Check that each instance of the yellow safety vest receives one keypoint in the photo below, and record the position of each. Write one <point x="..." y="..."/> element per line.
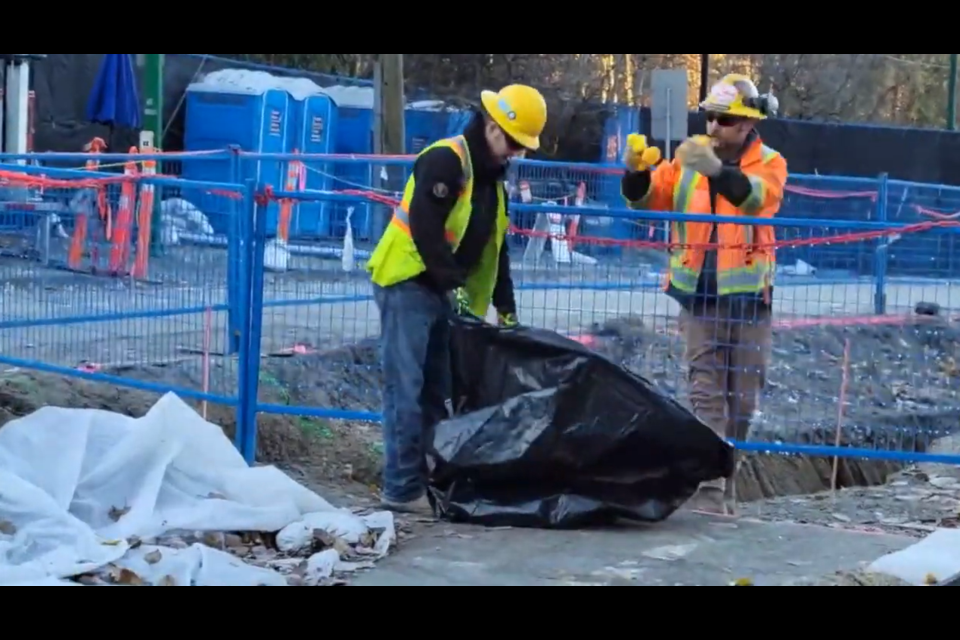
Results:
<point x="397" y="260"/>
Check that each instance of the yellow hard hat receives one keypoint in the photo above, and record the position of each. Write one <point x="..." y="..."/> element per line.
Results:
<point x="737" y="95"/>
<point x="520" y="111"/>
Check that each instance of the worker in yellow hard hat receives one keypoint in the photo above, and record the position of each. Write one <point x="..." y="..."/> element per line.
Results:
<point x="720" y="274"/>
<point x="446" y="245"/>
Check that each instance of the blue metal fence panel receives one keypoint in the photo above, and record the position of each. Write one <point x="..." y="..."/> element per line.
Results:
<point x="855" y="259"/>
<point x="144" y="322"/>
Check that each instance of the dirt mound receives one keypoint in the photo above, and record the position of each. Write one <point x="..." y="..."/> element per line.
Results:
<point x="348" y="378"/>
<point x="904" y="394"/>
<point x="333" y="452"/>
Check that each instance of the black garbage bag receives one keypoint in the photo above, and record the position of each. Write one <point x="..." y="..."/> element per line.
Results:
<point x="548" y="434"/>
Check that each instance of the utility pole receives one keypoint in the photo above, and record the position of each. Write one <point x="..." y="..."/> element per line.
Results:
<point x="704" y="75"/>
<point x="389" y="130"/>
<point x="152" y="134"/>
<point x="394" y="102"/>
<point x="952" y="94"/>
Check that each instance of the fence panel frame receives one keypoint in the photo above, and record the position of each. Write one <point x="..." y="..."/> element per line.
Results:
<point x="244" y="194"/>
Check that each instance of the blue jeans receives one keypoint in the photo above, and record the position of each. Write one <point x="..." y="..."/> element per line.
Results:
<point x="417" y="381"/>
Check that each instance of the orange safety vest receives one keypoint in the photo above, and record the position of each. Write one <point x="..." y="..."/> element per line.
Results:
<point x="744" y="266"/>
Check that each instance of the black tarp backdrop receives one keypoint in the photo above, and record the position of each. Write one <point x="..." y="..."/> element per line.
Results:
<point x="63" y="83"/>
<point x="549" y="434"/>
<point x="916" y="155"/>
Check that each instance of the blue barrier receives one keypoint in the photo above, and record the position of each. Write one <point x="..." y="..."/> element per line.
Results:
<point x="262" y="297"/>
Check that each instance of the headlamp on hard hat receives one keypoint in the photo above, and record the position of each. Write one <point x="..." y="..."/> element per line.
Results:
<point x="767" y="104"/>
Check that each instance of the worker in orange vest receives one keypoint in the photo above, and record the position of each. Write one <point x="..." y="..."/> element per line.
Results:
<point x="723" y="276"/>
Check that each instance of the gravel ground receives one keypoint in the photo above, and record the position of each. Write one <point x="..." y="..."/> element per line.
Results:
<point x="911" y="503"/>
<point x="904" y="381"/>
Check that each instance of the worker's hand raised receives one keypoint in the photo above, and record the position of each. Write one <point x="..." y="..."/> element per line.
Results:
<point x="697" y="154"/>
<point x="640" y="156"/>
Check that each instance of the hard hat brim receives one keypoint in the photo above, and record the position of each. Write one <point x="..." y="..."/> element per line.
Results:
<point x="490" y="102"/>
<point x="739" y="112"/>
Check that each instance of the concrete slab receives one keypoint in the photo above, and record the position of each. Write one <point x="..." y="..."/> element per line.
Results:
<point x="688" y="550"/>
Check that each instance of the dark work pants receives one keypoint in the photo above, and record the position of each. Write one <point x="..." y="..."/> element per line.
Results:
<point x="727" y="359"/>
<point x="415" y="345"/>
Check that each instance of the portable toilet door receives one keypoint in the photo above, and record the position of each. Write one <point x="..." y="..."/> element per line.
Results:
<point x="218" y="119"/>
<point x="354" y="136"/>
<point x="317" y="136"/>
<point x="273" y="139"/>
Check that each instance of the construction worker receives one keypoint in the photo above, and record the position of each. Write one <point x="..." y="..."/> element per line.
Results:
<point x="723" y="277"/>
<point x="445" y="246"/>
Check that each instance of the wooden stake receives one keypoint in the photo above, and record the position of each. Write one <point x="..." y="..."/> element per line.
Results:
<point x="844" y="384"/>
<point x="207" y="339"/>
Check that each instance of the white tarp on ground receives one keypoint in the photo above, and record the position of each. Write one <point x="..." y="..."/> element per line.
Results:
<point x="85" y="491"/>
<point x="928" y="563"/>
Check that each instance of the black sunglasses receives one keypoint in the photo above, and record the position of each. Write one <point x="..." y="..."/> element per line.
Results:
<point x="724" y="120"/>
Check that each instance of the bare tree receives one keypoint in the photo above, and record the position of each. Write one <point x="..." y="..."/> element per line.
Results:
<point x="894" y="88"/>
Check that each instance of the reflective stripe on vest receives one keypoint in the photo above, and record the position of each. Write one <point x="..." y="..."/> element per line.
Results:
<point x="747" y="279"/>
<point x="729" y="281"/>
<point x="401" y="213"/>
<point x="683" y="277"/>
<point x="758" y="188"/>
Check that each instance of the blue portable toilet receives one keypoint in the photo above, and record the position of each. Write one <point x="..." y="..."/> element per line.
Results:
<point x="217" y="118"/>
<point x="354" y="136"/>
<point x="426" y="122"/>
<point x="424" y="127"/>
<point x="315" y="132"/>
<point x="622" y="122"/>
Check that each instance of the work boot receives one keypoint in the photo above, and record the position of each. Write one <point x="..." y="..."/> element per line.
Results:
<point x="711" y="498"/>
<point x="420" y="508"/>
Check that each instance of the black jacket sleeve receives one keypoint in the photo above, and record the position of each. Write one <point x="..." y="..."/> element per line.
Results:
<point x="733" y="185"/>
<point x="635" y="185"/>
<point x="504" y="298"/>
<point x="439" y="180"/>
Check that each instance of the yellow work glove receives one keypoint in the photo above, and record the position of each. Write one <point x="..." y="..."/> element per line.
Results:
<point x="460" y="300"/>
<point x="640" y="156"/>
<point x="508" y="321"/>
<point x="697" y="154"/>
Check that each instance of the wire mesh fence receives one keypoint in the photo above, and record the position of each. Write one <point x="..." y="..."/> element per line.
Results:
<point x="195" y="286"/>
